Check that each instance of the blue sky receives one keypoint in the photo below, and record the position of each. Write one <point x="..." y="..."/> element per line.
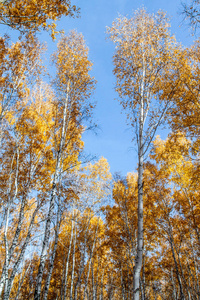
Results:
<point x="114" y="138"/>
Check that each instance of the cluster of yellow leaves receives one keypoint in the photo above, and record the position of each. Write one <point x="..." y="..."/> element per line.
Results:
<point x="20" y="63"/>
<point x="184" y="116"/>
<point x="73" y="66"/>
<point x="145" y="50"/>
<point x="97" y="179"/>
<point x="34" y="15"/>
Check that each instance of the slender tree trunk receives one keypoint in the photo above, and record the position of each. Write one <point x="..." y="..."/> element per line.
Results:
<point x="93" y="281"/>
<point x="131" y="250"/>
<point x="90" y="261"/>
<point x="52" y="201"/>
<point x="97" y="279"/>
<point x="81" y="269"/>
<point x="73" y="265"/>
<point x="90" y="258"/>
<point x="101" y="292"/>
<point x="176" y="265"/>
<point x="67" y="262"/>
<point x="173" y="284"/>
<point x="82" y="262"/>
<point x="141" y="289"/>
<point x="110" y="296"/>
<point x="139" y="255"/>
<point x="138" y="261"/>
<point x="21" y="256"/>
<point x="58" y="222"/>
<point x="4" y="278"/>
<point x="21" y="281"/>
<point x="11" y="199"/>
<point x="196" y="271"/>
<point x="182" y="273"/>
<point x="48" y="279"/>
<point x="45" y="241"/>
<point x="142" y="283"/>
<point x="122" y="284"/>
<point x="9" y="252"/>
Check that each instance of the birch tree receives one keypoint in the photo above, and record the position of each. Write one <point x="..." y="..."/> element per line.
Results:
<point x="143" y="58"/>
<point x="73" y="85"/>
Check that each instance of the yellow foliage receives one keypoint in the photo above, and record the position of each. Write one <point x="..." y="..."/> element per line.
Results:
<point x="33" y="15"/>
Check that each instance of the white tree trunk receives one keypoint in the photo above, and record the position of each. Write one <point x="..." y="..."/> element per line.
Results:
<point x="73" y="265"/>
<point x="21" y="281"/>
<point x="52" y="201"/>
<point x="139" y="254"/>
<point x="4" y="275"/>
<point x="101" y="292"/>
<point x="21" y="256"/>
<point x="82" y="262"/>
<point x="67" y="262"/>
<point x="58" y="222"/>
<point x="89" y="264"/>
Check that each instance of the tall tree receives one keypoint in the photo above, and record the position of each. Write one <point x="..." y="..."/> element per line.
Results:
<point x="144" y="54"/>
<point x="74" y="86"/>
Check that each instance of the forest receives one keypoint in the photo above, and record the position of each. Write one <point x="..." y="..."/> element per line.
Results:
<point x="69" y="228"/>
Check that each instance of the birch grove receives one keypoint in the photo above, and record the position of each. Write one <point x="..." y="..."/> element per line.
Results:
<point x="69" y="229"/>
